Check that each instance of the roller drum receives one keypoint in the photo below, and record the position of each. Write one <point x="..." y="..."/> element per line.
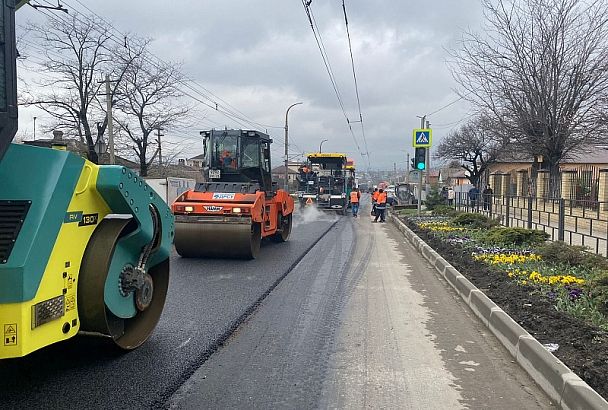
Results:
<point x="217" y="240"/>
<point x="95" y="316"/>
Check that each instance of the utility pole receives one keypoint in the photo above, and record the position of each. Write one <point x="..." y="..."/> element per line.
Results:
<point x="34" y="128"/>
<point x="286" y="185"/>
<point x="110" y="123"/>
<point x="395" y="179"/>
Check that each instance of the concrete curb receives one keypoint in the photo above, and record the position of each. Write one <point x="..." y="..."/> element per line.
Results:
<point x="559" y="382"/>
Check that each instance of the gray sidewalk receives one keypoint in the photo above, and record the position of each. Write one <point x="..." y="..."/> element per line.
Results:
<point x="408" y="341"/>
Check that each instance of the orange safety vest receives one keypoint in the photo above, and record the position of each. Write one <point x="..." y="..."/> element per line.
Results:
<point x="354" y="197"/>
<point x="382" y="198"/>
<point x="375" y="196"/>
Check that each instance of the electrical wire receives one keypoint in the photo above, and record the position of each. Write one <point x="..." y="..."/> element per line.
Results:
<point x="226" y="109"/>
<point x="352" y="62"/>
<point x="196" y="88"/>
<point x="445" y="106"/>
<point x="320" y="45"/>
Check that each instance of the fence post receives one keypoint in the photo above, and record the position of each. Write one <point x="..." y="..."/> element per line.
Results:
<point x="561" y="225"/>
<point x="507" y="211"/>
<point x="530" y="212"/>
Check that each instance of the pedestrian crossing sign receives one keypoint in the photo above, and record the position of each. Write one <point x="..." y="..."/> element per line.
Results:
<point x="423" y="137"/>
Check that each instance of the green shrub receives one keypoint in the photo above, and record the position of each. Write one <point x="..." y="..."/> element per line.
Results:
<point x="434" y="199"/>
<point x="475" y="221"/>
<point x="515" y="236"/>
<point x="571" y="255"/>
<point x="598" y="290"/>
<point x="444" y="210"/>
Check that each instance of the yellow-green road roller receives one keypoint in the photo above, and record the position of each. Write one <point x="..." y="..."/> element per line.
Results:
<point x="82" y="247"/>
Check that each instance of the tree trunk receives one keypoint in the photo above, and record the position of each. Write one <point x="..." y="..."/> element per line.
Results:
<point x="533" y="177"/>
<point x="555" y="183"/>
<point x="92" y="154"/>
<point x="474" y="179"/>
<point x="143" y="166"/>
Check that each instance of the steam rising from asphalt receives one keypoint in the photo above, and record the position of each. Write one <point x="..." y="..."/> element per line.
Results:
<point x="310" y="214"/>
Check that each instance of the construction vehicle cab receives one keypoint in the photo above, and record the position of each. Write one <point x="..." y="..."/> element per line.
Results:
<point x="243" y="156"/>
<point x="325" y="184"/>
<point x="237" y="205"/>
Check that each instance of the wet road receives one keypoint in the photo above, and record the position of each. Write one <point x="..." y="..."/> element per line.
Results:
<point x="207" y="301"/>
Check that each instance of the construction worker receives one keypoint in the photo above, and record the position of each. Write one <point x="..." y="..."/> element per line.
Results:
<point x="355" y="195"/>
<point x="374" y="201"/>
<point x="381" y="206"/>
<point x="227" y="160"/>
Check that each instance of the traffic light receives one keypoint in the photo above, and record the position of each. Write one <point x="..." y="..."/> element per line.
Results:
<point x="413" y="163"/>
<point x="420" y="158"/>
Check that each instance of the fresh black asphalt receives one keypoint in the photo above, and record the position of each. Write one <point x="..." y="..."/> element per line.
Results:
<point x="207" y="301"/>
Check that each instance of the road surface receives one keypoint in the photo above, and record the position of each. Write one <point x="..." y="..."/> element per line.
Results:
<point x="344" y="315"/>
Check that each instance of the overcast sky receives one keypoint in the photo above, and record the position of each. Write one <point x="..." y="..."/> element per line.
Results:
<point x="261" y="56"/>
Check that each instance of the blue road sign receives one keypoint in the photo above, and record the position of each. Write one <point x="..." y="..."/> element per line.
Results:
<point x="423" y="138"/>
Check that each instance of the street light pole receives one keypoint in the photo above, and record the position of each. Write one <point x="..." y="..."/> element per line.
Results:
<point x="286" y="186"/>
<point x="321" y="146"/>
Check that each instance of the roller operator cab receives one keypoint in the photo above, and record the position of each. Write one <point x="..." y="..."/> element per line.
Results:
<point x="83" y="247"/>
<point x="323" y="182"/>
<point x="237" y="205"/>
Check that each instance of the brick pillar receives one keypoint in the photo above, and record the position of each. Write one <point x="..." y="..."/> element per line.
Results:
<point x="603" y="191"/>
<point x="542" y="183"/>
<point x="495" y="183"/>
<point x="568" y="178"/>
<point x="505" y="185"/>
<point x="522" y="187"/>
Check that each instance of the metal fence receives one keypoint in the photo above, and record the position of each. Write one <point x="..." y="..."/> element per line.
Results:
<point x="576" y="222"/>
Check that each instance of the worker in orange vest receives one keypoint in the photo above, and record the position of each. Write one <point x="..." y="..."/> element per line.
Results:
<point x="374" y="201"/>
<point x="354" y="201"/>
<point x="381" y="206"/>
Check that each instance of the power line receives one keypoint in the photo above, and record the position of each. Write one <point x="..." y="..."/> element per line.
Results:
<point x="231" y="113"/>
<point x="445" y="106"/>
<point x="352" y="62"/>
<point x="319" y="40"/>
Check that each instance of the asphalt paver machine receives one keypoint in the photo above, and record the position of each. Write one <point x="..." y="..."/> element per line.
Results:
<point x="82" y="247"/>
<point x="237" y="205"/>
<point x="325" y="183"/>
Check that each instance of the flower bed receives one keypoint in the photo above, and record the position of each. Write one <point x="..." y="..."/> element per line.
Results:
<point x="557" y="298"/>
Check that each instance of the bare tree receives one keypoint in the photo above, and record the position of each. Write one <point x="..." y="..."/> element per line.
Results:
<point x="151" y="102"/>
<point x="76" y="52"/>
<point x="476" y="145"/>
<point x="540" y="68"/>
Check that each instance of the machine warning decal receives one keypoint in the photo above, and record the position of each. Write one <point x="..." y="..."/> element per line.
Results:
<point x="89" y="219"/>
<point x="213" y="208"/>
<point x="219" y="195"/>
<point x="10" y="334"/>
<point x="70" y="303"/>
<point x="71" y="217"/>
